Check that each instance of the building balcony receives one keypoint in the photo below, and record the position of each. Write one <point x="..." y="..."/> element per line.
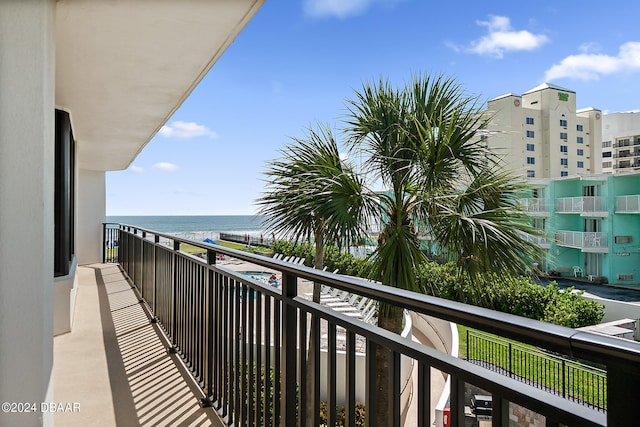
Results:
<point x="538" y="241"/>
<point x="628" y="204"/>
<point x="585" y="206"/>
<point x="535" y="206"/>
<point x="593" y="242"/>
<point x="624" y="154"/>
<point x="160" y="319"/>
<point x="626" y="165"/>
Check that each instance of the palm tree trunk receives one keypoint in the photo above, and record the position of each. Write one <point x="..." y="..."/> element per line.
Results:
<point x="389" y="318"/>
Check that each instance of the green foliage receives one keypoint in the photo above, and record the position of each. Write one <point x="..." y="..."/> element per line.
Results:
<point x="334" y="259"/>
<point x="341" y="415"/>
<point x="510" y="294"/>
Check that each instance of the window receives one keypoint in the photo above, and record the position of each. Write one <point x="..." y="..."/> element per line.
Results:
<point x="579" y="128"/>
<point x="63" y="208"/>
<point x="564" y="173"/>
<point x="563" y="135"/>
<point x="530" y="134"/>
<point x="580" y="164"/>
<point x="580" y="152"/>
<point x="564" y="149"/>
<point x="531" y="147"/>
<point x="563" y="123"/>
<point x="606" y="144"/>
<point x="529" y="120"/>
<point x="531" y="174"/>
<point x="606" y="164"/>
<point x="564" y="162"/>
<point x="606" y="154"/>
<point x="531" y="160"/>
<point x="580" y="140"/>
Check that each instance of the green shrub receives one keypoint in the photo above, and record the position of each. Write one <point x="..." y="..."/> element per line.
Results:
<point x="341" y="414"/>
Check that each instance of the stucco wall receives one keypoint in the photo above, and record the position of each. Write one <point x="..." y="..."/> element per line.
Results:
<point x="27" y="126"/>
<point x="91" y="203"/>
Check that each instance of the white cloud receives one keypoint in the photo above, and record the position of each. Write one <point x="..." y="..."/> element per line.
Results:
<point x="590" y="66"/>
<point x="165" y="167"/>
<point x="503" y="38"/>
<point x="136" y="169"/>
<point x="185" y="130"/>
<point x="341" y="8"/>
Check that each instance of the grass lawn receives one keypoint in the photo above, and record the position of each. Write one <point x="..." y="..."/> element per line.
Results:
<point x="534" y="366"/>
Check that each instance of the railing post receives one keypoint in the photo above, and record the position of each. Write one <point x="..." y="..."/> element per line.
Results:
<point x="623" y="394"/>
<point x="104" y="242"/>
<point x="510" y="360"/>
<point x="174" y="287"/>
<point x="289" y="351"/>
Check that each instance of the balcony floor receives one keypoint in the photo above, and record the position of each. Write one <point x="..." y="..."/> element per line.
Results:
<point x="115" y="365"/>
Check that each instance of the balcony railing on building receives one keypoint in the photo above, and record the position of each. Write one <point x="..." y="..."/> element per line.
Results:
<point x="587" y="241"/>
<point x="585" y="205"/>
<point x="247" y="343"/>
<point x="539" y="241"/>
<point x="628" y="204"/>
<point x="535" y="206"/>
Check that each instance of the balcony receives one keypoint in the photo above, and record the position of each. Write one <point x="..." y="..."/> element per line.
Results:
<point x="535" y="206"/>
<point x="538" y="241"/>
<point x="628" y="204"/>
<point x="592" y="242"/>
<point x="585" y="206"/>
<point x="246" y="345"/>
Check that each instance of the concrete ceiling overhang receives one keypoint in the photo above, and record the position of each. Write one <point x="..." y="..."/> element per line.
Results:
<point x="124" y="67"/>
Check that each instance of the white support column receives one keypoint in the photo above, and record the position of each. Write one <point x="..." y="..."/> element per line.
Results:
<point x="90" y="215"/>
<point x="27" y="88"/>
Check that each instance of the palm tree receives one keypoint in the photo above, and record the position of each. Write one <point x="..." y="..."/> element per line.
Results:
<point x="422" y="141"/>
<point x="312" y="191"/>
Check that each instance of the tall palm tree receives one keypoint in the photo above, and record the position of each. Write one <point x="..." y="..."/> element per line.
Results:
<point x="422" y="141"/>
<point x="312" y="191"/>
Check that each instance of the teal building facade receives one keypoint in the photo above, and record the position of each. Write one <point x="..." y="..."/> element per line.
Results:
<point x="591" y="225"/>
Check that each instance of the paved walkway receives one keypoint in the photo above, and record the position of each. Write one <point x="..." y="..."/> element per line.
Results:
<point x="115" y="365"/>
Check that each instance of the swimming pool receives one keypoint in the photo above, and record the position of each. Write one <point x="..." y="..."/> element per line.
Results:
<point x="262" y="276"/>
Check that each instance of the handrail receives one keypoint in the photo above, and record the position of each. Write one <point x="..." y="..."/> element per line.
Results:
<point x="618" y="355"/>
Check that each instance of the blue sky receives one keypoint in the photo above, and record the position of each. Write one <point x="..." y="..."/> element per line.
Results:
<point x="297" y="61"/>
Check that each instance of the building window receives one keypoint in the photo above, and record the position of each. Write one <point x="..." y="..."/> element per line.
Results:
<point x="63" y="207"/>
<point x="531" y="174"/>
<point x="580" y="164"/>
<point x="606" y="164"/>
<point x="530" y="134"/>
<point x="606" y="144"/>
<point x="564" y="173"/>
<point x="579" y="128"/>
<point x="563" y="136"/>
<point x="531" y="160"/>
<point x="580" y="152"/>
<point x="529" y="120"/>
<point x="564" y="149"/>
<point x="580" y="140"/>
<point x="531" y="147"/>
<point x="606" y="154"/>
<point x="563" y="123"/>
<point x="564" y="162"/>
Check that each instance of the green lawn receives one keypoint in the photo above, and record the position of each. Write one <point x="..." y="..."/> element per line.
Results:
<point x="532" y="365"/>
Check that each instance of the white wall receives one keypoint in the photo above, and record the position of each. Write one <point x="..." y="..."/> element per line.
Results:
<point x="90" y="214"/>
<point x="26" y="212"/>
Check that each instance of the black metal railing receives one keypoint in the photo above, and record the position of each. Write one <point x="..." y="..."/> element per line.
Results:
<point x="570" y="379"/>
<point x="247" y="343"/>
<point x="247" y="239"/>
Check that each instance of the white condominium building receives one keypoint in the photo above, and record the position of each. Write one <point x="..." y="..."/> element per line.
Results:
<point x="540" y="134"/>
<point x="621" y="142"/>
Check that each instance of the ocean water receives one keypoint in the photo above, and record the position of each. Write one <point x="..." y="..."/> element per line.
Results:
<point x="210" y="225"/>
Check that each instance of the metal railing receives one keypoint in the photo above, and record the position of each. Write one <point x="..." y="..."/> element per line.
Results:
<point x="581" y="204"/>
<point x="570" y="379"/>
<point x="534" y="205"/>
<point x="247" y="343"/>
<point x="247" y="239"/>
<point x="629" y="203"/>
<point x="582" y="239"/>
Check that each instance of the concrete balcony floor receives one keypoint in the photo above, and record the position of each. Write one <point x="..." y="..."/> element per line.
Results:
<point x="115" y="365"/>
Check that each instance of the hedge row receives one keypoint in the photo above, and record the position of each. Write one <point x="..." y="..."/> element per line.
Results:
<point x="502" y="292"/>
